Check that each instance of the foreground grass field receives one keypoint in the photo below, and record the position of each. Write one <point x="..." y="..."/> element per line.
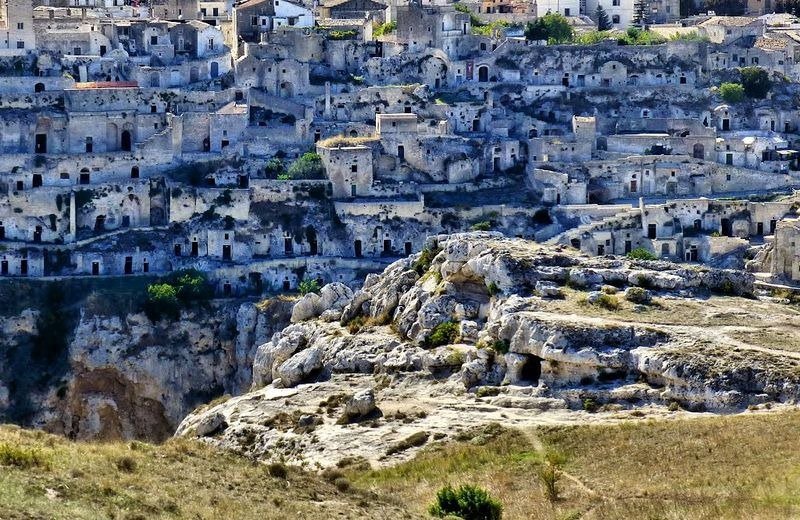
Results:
<point x="745" y="466"/>
<point x="47" y="477"/>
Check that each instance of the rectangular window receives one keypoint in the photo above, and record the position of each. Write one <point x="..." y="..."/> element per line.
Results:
<point x="615" y="18"/>
<point x="154" y="40"/>
<point x="20" y="26"/>
<point x="20" y="45"/>
<point x="254" y="20"/>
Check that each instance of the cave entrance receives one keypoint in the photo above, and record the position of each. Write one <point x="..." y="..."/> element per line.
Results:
<point x="531" y="370"/>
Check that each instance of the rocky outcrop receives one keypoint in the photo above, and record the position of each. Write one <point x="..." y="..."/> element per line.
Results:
<point x="123" y="376"/>
<point x="520" y="325"/>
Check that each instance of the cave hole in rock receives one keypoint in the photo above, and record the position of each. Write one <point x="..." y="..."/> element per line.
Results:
<point x="531" y="370"/>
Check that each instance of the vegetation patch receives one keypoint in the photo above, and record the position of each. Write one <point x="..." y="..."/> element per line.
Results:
<point x="443" y="334"/>
<point x="467" y="502"/>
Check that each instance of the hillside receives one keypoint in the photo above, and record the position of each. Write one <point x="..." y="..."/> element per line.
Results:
<point x="742" y="466"/>
<point x="46" y="476"/>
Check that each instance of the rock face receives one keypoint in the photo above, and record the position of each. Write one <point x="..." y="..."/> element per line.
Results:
<point x="528" y="326"/>
<point x="125" y="377"/>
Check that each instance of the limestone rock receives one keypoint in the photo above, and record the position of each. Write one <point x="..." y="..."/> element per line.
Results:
<point x="210" y="424"/>
<point x="548" y="289"/>
<point x="307" y="307"/>
<point x="360" y="405"/>
<point x="300" y="367"/>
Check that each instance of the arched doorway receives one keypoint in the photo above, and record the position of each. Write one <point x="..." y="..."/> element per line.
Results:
<point x="39" y="87"/>
<point x="125" y="141"/>
<point x="698" y="151"/>
<point x="483" y="73"/>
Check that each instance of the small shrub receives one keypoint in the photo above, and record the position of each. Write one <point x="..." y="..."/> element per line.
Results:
<point x="384" y="29"/>
<point x="126" y="464"/>
<point x="641" y="253"/>
<point x="608" y="302"/>
<point x="423" y="263"/>
<point x="549" y="474"/>
<point x="162" y="301"/>
<point x="674" y="406"/>
<point x="609" y="289"/>
<point x="637" y="295"/>
<point x="487" y="391"/>
<point x="467" y="502"/>
<point x="308" y="286"/>
<point x="501" y="346"/>
<point x="493" y="289"/>
<point x="342" y="484"/>
<point x="24" y="458"/>
<point x="414" y="440"/>
<point x="332" y="474"/>
<point x="278" y="470"/>
<point x="356" y="324"/>
<point x="308" y="166"/>
<point x="443" y="334"/>
<point x="590" y="405"/>
<point x="484" y="225"/>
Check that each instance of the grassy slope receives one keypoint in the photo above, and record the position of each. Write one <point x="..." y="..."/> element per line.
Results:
<point x="180" y="479"/>
<point x="745" y="466"/>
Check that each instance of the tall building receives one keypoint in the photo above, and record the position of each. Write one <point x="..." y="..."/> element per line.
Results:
<point x="16" y="26"/>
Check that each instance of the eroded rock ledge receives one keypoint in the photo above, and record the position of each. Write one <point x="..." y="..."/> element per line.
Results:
<point x="479" y="327"/>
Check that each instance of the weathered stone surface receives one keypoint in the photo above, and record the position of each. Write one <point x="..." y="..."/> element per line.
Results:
<point x="300" y="367"/>
<point x="360" y="405"/>
<point x="210" y="424"/>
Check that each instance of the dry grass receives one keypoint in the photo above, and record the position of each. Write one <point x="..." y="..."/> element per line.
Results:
<point x="342" y="141"/>
<point x="180" y="479"/>
<point x="715" y="311"/>
<point x="745" y="466"/>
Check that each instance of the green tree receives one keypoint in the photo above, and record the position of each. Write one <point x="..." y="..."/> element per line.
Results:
<point x="162" y="301"/>
<point x="603" y="21"/>
<point x="553" y="27"/>
<point x="467" y="502"/>
<point x="756" y="82"/>
<point x="731" y="92"/>
<point x="308" y="166"/>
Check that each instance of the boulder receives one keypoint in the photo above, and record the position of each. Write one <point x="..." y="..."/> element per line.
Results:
<point x="210" y="424"/>
<point x="300" y="367"/>
<point x="548" y="289"/>
<point x="638" y="295"/>
<point x="307" y="307"/>
<point x="582" y="278"/>
<point x="335" y="297"/>
<point x="360" y="405"/>
<point x="270" y="355"/>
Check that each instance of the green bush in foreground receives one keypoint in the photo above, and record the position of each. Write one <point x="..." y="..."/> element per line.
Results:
<point x="23" y="458"/>
<point x="467" y="502"/>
